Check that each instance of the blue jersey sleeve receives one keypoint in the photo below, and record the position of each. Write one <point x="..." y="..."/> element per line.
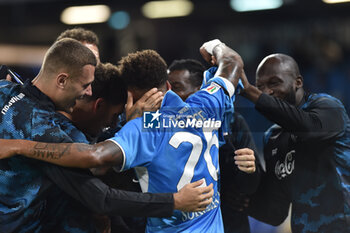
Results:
<point x="136" y="144"/>
<point x="216" y="96"/>
<point x="213" y="98"/>
<point x="209" y="75"/>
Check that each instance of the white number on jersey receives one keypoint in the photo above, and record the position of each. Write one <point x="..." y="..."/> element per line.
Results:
<point x="197" y="146"/>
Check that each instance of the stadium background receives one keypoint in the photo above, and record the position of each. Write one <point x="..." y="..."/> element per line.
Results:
<point x="315" y="33"/>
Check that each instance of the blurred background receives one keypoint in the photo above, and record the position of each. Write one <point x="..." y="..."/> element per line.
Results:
<point x="315" y="32"/>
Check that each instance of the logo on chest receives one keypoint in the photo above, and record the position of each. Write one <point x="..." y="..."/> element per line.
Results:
<point x="286" y="167"/>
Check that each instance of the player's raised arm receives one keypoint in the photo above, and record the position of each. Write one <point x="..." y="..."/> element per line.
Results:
<point x="64" y="154"/>
<point x="229" y="62"/>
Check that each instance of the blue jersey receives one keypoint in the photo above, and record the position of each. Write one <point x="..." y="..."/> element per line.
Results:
<point x="29" y="201"/>
<point x="178" y="145"/>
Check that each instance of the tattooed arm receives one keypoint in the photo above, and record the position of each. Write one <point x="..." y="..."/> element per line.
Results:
<point x="64" y="154"/>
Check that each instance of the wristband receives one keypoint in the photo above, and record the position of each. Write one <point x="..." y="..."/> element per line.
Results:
<point x="210" y="45"/>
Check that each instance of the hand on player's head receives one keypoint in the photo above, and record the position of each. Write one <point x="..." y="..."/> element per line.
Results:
<point x="150" y="101"/>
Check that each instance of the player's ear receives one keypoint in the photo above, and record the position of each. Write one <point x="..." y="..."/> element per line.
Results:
<point x="99" y="104"/>
<point x="62" y="79"/>
<point x="299" y="81"/>
<point x="168" y="85"/>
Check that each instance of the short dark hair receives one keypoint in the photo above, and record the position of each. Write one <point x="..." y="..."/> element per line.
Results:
<point x="195" y="68"/>
<point x="108" y="84"/>
<point x="144" y="69"/>
<point x="69" y="55"/>
<point x="80" y="34"/>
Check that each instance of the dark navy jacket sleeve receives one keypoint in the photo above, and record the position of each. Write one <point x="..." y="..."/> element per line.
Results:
<point x="100" y="198"/>
<point x="320" y="118"/>
<point x="242" y="138"/>
<point x="230" y="174"/>
<point x="269" y="204"/>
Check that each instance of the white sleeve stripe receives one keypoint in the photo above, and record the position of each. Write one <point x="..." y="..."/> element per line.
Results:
<point x="117" y="169"/>
<point x="229" y="86"/>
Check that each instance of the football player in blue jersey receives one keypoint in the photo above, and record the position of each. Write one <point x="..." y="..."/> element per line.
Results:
<point x="97" y="115"/>
<point x="93" y="114"/>
<point x="172" y="157"/>
<point x="35" y="196"/>
<point x="186" y="77"/>
<point x="307" y="151"/>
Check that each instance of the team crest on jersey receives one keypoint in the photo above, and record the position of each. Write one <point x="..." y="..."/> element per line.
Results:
<point x="212" y="88"/>
<point x="285" y="168"/>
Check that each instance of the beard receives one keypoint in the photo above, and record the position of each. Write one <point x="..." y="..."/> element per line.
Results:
<point x="291" y="96"/>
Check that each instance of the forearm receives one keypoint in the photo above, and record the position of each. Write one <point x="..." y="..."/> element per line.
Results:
<point x="230" y="64"/>
<point x="281" y="112"/>
<point x="318" y="121"/>
<point x="71" y="154"/>
<point x="125" y="203"/>
<point x="251" y="92"/>
<point x="101" y="199"/>
<point x="247" y="183"/>
<point x="229" y="69"/>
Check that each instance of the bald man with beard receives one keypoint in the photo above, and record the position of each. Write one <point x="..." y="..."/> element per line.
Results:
<point x="307" y="151"/>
